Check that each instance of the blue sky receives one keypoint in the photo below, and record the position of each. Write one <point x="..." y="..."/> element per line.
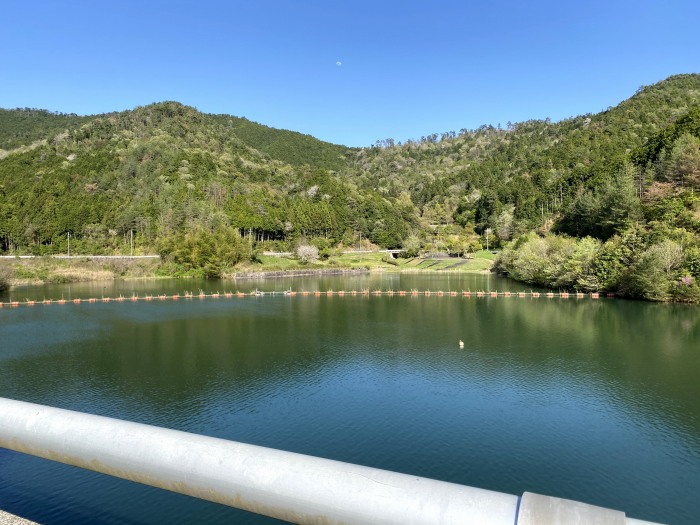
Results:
<point x="345" y="72"/>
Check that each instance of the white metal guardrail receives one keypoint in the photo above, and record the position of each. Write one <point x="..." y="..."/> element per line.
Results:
<point x="284" y="485"/>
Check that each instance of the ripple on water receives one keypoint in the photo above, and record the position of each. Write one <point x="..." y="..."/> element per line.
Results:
<point x="563" y="399"/>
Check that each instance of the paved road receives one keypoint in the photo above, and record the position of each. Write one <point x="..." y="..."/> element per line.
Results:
<point x="346" y="252"/>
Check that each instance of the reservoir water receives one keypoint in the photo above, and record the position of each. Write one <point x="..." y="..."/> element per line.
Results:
<point x="593" y="400"/>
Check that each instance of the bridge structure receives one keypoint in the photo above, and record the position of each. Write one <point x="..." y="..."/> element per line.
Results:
<point x="292" y="487"/>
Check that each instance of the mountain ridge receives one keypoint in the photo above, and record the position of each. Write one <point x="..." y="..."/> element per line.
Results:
<point x="172" y="175"/>
<point x="16" y="130"/>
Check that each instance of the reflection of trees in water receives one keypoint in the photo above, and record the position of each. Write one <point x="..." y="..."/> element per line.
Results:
<point x="165" y="358"/>
<point x="646" y="353"/>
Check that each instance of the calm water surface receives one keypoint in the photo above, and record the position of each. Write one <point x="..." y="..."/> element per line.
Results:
<point x="591" y="400"/>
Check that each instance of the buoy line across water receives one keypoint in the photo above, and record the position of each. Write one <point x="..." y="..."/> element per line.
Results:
<point x="305" y="293"/>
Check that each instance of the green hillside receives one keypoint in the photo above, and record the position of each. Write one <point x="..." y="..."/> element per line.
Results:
<point x="530" y="170"/>
<point x="167" y="174"/>
<point x="576" y="204"/>
<point x="623" y="181"/>
<point x="23" y="127"/>
<point x="286" y="146"/>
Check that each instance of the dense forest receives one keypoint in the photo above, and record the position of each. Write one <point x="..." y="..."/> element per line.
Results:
<point x="600" y="201"/>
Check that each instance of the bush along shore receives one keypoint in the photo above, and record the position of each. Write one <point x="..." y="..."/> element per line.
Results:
<point x="635" y="264"/>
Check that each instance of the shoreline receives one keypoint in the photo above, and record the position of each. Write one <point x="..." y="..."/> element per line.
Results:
<point x="40" y="271"/>
<point x="249" y="276"/>
<point x="269" y="274"/>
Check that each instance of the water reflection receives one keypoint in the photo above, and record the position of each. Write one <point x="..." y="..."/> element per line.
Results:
<point x="368" y="281"/>
<point x="591" y="400"/>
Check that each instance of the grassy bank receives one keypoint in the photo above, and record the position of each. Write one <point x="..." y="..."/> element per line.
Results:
<point x="46" y="270"/>
<point x="482" y="261"/>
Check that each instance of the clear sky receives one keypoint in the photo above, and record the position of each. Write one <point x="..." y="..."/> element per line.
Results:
<point x="349" y="72"/>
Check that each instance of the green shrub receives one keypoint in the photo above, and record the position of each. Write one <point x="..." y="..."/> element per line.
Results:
<point x="655" y="272"/>
<point x="686" y="290"/>
<point x="552" y="261"/>
<point x="5" y="274"/>
<point x="204" y="253"/>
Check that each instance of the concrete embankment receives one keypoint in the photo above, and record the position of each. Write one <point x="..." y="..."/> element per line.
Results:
<point x="298" y="273"/>
<point x="9" y="519"/>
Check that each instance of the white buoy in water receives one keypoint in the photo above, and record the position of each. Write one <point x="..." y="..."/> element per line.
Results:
<point x="461" y="343"/>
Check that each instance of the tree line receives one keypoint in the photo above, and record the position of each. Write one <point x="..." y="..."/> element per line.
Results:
<point x="600" y="191"/>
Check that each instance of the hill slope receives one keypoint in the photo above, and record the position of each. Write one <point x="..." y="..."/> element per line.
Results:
<point x="531" y="170"/>
<point x="22" y="127"/>
<point x="190" y="184"/>
<point x="165" y="169"/>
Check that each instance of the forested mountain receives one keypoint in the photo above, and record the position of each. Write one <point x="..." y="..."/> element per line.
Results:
<point x="583" y="200"/>
<point x="23" y="127"/>
<point x="596" y="202"/>
<point x="165" y="171"/>
<point x="512" y="179"/>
